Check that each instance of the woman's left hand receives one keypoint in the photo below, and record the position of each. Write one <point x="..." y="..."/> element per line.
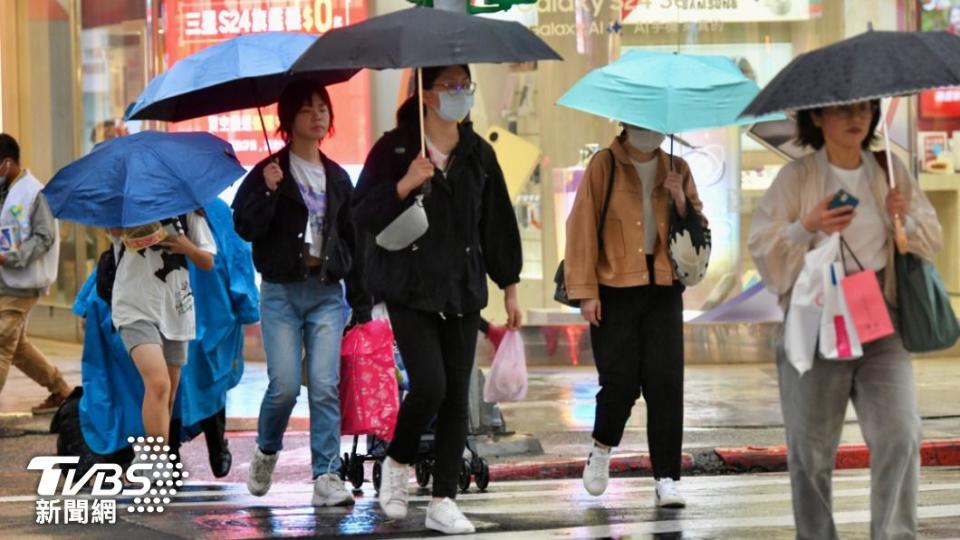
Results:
<point x="674" y="186"/>
<point x="512" y="305"/>
<point x="896" y="204"/>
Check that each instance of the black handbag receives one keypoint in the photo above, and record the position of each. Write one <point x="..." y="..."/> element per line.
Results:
<point x="560" y="292"/>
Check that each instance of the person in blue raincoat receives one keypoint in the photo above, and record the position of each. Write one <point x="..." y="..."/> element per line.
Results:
<point x="226" y="299"/>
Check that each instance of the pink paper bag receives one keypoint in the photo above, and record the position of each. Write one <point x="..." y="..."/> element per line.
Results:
<point x="867" y="306"/>
<point x="369" y="395"/>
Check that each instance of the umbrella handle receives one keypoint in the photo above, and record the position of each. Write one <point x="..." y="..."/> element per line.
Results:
<point x="899" y="231"/>
<point x="423" y="136"/>
<point x="671" y="152"/>
<point x="266" y="138"/>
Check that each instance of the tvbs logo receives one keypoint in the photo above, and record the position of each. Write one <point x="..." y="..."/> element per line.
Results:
<point x="153" y="477"/>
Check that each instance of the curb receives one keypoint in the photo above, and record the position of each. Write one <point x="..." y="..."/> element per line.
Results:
<point x="573" y="468"/>
<point x="849" y="456"/>
<point x="748" y="459"/>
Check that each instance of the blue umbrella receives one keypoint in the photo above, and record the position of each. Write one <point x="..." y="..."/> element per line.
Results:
<point x="666" y="92"/>
<point x="142" y="178"/>
<point x="240" y="73"/>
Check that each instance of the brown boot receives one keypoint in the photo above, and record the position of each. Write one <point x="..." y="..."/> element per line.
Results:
<point x="51" y="404"/>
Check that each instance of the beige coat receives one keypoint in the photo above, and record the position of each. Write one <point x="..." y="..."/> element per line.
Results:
<point x="798" y="188"/>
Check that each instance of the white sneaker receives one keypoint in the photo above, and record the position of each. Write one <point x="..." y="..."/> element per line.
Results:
<point x="596" y="473"/>
<point x="393" y="489"/>
<point x="446" y="517"/>
<point x="260" y="476"/>
<point x="668" y="496"/>
<point x="328" y="490"/>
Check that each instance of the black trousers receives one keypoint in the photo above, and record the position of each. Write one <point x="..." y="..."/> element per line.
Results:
<point x="638" y="350"/>
<point x="438" y="354"/>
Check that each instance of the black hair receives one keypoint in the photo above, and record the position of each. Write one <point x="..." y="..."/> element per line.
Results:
<point x="407" y="113"/>
<point x="296" y="95"/>
<point x="9" y="149"/>
<point x="808" y="134"/>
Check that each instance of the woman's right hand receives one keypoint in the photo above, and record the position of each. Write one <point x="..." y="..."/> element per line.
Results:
<point x="420" y="170"/>
<point x="590" y="311"/>
<point x="826" y="220"/>
<point x="272" y="175"/>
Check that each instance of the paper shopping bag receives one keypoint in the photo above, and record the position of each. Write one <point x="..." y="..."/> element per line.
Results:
<point x="867" y="306"/>
<point x="838" y="334"/>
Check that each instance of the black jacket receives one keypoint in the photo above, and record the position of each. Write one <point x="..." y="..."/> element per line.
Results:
<point x="275" y="222"/>
<point x="473" y="228"/>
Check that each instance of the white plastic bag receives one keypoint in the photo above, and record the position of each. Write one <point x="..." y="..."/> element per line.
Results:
<point x="838" y="335"/>
<point x="804" y="313"/>
<point x="507" y="380"/>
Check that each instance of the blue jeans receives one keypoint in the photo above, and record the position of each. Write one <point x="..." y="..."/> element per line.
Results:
<point x="295" y="317"/>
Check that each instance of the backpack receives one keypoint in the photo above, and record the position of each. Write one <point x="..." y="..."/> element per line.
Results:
<point x="108" y="262"/>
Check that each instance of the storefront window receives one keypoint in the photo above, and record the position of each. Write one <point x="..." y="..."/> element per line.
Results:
<point x="46" y="104"/>
<point x="731" y="169"/>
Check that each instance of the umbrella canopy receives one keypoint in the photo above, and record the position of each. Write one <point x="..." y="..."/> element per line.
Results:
<point x="423" y="37"/>
<point x="142" y="178"/>
<point x="871" y="65"/>
<point x="240" y="73"/>
<point x="666" y="92"/>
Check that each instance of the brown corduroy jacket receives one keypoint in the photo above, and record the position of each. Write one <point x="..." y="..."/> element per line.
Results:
<point x="622" y="263"/>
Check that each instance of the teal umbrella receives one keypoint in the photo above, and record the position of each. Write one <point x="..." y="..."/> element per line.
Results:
<point x="667" y="92"/>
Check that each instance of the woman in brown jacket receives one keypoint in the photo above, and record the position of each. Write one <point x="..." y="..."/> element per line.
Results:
<point x="631" y="297"/>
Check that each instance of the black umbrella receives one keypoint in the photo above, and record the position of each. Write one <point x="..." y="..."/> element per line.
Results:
<point x="423" y="37"/>
<point x="871" y="65"/>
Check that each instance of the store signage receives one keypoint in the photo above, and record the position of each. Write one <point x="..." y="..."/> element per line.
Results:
<point x="191" y="25"/>
<point x="733" y="11"/>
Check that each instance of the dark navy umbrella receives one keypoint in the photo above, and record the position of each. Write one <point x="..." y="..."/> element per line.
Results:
<point x="142" y="178"/>
<point x="423" y="37"/>
<point x="871" y="65"/>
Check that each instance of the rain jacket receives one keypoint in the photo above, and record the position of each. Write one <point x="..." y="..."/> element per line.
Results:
<point x="226" y="299"/>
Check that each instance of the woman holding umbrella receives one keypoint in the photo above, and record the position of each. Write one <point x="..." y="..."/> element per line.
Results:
<point x="294" y="207"/>
<point x="630" y="294"/>
<point x="794" y="217"/>
<point x="436" y="286"/>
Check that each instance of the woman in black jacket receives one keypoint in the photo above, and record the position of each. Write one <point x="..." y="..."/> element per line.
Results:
<point x="436" y="287"/>
<point x="295" y="209"/>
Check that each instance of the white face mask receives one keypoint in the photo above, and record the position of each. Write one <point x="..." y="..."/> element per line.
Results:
<point x="644" y="139"/>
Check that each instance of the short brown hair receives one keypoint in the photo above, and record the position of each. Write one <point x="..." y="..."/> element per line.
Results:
<point x="296" y="95"/>
<point x="808" y="134"/>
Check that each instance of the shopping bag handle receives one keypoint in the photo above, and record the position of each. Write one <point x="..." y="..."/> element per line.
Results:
<point x="844" y="244"/>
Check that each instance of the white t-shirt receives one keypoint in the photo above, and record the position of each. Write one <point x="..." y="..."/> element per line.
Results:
<point x="647" y="170"/>
<point x="439" y="159"/>
<point x="147" y="289"/>
<point x="312" y="181"/>
<point x="867" y="234"/>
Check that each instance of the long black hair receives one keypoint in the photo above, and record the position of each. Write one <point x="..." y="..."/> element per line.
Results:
<point x="407" y="116"/>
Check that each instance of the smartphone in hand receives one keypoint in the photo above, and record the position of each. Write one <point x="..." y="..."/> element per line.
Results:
<point x="843" y="198"/>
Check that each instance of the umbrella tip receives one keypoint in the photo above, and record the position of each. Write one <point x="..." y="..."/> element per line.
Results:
<point x="870" y="26"/>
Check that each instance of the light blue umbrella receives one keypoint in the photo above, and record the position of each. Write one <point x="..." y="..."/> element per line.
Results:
<point x="247" y="71"/>
<point x="666" y="92"/>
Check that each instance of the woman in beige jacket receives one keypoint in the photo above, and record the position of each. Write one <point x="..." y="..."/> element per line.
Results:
<point x="791" y="219"/>
<point x="632" y="299"/>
